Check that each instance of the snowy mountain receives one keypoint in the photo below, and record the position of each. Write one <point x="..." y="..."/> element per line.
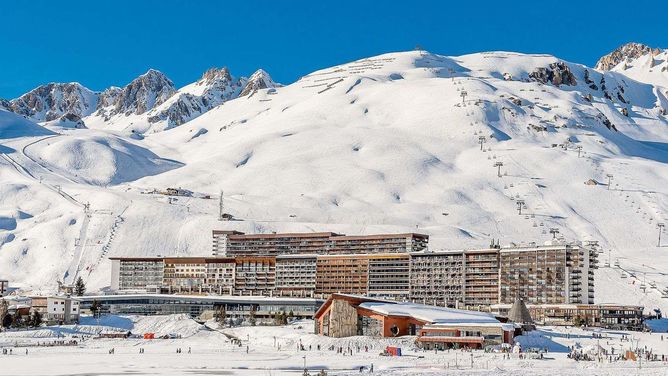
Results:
<point x="141" y="95"/>
<point x="257" y="81"/>
<point x="639" y="62"/>
<point x="399" y="142"/>
<point x="215" y="87"/>
<point x="150" y="103"/>
<point x="51" y="101"/>
<point x="625" y="54"/>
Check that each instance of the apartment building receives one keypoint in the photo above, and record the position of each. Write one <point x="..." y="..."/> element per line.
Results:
<point x="467" y="278"/>
<point x="136" y="273"/>
<point x="295" y="275"/>
<point x="551" y="274"/>
<point x="554" y="274"/>
<point x="341" y="274"/>
<point x="437" y="278"/>
<point x="384" y="243"/>
<point x="199" y="275"/>
<point x="320" y="264"/>
<point x="56" y="309"/>
<point x="255" y="276"/>
<point x="481" y="277"/>
<point x="377" y="275"/>
<point x="389" y="276"/>
<point x="609" y="316"/>
<point x="232" y="243"/>
<point x="173" y="274"/>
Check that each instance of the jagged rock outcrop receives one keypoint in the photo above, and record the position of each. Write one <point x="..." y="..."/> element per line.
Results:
<point x="152" y="94"/>
<point x="259" y="80"/>
<point x="143" y="93"/>
<point x="627" y="52"/>
<point x="51" y="101"/>
<point x="605" y="121"/>
<point x="72" y="120"/>
<point x="556" y="73"/>
<point x="4" y="104"/>
<point x="215" y="87"/>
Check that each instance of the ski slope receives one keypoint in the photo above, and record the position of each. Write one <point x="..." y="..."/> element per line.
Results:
<point x="386" y="144"/>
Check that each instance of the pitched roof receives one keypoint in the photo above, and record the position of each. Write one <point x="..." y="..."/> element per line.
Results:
<point x="519" y="313"/>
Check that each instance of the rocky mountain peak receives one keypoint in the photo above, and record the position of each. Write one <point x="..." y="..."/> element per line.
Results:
<point x="258" y="80"/>
<point x="215" y="87"/>
<point x="142" y="94"/>
<point x="213" y="75"/>
<point x="51" y="101"/>
<point x="626" y="52"/>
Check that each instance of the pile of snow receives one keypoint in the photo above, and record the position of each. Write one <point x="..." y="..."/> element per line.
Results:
<point x="178" y="325"/>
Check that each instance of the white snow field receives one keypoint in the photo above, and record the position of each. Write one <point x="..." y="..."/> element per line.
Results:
<point x="274" y="351"/>
<point x="384" y="144"/>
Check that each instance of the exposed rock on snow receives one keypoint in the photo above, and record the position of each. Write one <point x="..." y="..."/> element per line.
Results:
<point x="214" y="88"/>
<point x="259" y="80"/>
<point x="625" y="53"/>
<point x="142" y="94"/>
<point x="49" y="102"/>
<point x="557" y="74"/>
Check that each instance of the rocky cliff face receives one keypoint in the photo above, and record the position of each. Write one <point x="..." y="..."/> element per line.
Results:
<point x="152" y="94"/>
<point x="51" y="101"/>
<point x="556" y="73"/>
<point x="215" y="87"/>
<point x="627" y="52"/>
<point x="258" y="80"/>
<point x="4" y="104"/>
<point x="142" y="94"/>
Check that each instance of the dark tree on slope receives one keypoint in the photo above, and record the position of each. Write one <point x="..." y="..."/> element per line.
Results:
<point x="251" y="316"/>
<point x="79" y="287"/>
<point x="4" y="308"/>
<point x="95" y="308"/>
<point x="7" y="321"/>
<point x="35" y="319"/>
<point x="221" y="314"/>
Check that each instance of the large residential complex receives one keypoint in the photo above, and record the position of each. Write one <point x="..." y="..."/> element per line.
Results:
<point x="393" y="266"/>
<point x="234" y="243"/>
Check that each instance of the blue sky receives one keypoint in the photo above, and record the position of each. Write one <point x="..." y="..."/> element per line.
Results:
<point x="108" y="43"/>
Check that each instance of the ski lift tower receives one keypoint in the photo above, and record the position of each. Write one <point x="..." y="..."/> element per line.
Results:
<point x="482" y="140"/>
<point x="463" y="95"/>
<point x="554" y="232"/>
<point x="609" y="176"/>
<point x="660" y="226"/>
<point x="498" y="164"/>
<point x="520" y="204"/>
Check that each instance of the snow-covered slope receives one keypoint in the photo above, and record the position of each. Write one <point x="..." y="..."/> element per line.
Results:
<point x="385" y="144"/>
